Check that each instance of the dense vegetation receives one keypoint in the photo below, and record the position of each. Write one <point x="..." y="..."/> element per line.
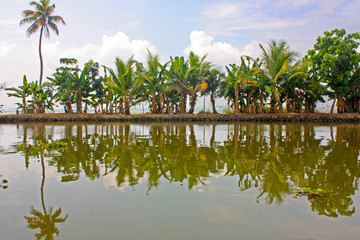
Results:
<point x="279" y="77"/>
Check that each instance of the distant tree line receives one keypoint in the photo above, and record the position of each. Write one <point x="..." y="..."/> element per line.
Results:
<point x="278" y="78"/>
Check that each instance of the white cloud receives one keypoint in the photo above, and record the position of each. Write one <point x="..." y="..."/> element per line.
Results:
<point x="220" y="53"/>
<point x="119" y="45"/>
<point x="6" y="48"/>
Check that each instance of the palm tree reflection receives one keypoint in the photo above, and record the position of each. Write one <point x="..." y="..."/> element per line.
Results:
<point x="46" y="219"/>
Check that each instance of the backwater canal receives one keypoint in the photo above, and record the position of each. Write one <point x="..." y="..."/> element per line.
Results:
<point x="179" y="181"/>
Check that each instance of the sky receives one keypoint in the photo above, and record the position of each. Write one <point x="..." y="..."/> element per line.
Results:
<point x="104" y="30"/>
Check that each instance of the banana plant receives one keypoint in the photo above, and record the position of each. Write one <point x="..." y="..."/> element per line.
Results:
<point x="21" y="92"/>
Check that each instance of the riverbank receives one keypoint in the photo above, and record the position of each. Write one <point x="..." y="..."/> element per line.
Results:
<point x="91" y="117"/>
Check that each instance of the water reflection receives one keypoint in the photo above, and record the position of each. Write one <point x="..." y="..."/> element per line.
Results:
<point x="41" y="146"/>
<point x="274" y="159"/>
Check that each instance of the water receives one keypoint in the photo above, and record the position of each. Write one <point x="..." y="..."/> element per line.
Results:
<point x="179" y="181"/>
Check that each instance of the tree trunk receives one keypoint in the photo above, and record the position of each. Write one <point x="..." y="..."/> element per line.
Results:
<point x="236" y="102"/>
<point x="192" y="102"/>
<point x="79" y="104"/>
<point x="126" y="105"/>
<point x="162" y="102"/>
<point x="261" y="109"/>
<point x="212" y="100"/>
<point x="41" y="58"/>
<point x="272" y="103"/>
<point x="183" y="103"/>
<point x="281" y="110"/>
<point x="153" y="103"/>
<point x="248" y="104"/>
<point x="25" y="105"/>
<point x="171" y="108"/>
<point x="121" y="108"/>
<point x="333" y="105"/>
<point x="288" y="105"/>
<point x="69" y="106"/>
<point x="86" y="106"/>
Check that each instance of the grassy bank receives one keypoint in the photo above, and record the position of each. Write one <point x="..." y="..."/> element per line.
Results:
<point x="91" y="117"/>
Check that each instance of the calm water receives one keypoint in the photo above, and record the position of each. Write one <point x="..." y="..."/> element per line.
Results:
<point x="179" y="181"/>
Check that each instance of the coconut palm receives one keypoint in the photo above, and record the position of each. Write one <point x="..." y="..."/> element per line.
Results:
<point x="277" y="61"/>
<point x="42" y="18"/>
<point x="123" y="82"/>
<point x="178" y="75"/>
<point x="198" y="73"/>
<point x="235" y="81"/>
<point x="153" y="80"/>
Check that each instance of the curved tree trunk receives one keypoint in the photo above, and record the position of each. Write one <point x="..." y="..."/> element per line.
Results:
<point x="333" y="105"/>
<point x="41" y="59"/>
<point x="192" y="102"/>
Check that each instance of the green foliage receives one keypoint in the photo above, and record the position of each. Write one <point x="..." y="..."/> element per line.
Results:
<point x="41" y="97"/>
<point x="335" y="60"/>
<point x="279" y="77"/>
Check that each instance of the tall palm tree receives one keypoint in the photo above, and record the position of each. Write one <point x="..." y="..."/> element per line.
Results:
<point x="42" y="19"/>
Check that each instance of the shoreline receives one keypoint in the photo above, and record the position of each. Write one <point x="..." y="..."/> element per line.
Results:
<point x="208" y="117"/>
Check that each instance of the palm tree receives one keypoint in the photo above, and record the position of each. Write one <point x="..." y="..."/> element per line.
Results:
<point x="153" y="80"/>
<point x="277" y="61"/>
<point x="123" y="81"/>
<point x="80" y="84"/>
<point x="178" y="75"/>
<point x="237" y="77"/>
<point x="199" y="72"/>
<point x="189" y="77"/>
<point x="42" y="19"/>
